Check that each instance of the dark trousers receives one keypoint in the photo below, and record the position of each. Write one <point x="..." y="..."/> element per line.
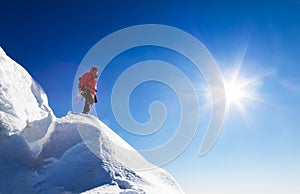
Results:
<point x="89" y="101"/>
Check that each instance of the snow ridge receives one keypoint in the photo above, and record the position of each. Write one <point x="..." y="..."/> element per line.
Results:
<point x="22" y="100"/>
<point x="40" y="153"/>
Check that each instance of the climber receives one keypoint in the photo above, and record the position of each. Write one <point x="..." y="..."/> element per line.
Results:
<point x="88" y="88"/>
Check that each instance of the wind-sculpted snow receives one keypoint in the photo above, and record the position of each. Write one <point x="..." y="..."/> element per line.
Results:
<point x="22" y="100"/>
<point x="43" y="154"/>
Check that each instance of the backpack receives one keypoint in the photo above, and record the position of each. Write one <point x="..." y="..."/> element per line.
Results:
<point x="82" y="88"/>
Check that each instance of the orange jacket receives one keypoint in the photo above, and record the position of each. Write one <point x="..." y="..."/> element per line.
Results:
<point x="89" y="80"/>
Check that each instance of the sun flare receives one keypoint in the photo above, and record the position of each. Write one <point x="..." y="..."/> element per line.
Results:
<point x="241" y="91"/>
<point x="236" y="93"/>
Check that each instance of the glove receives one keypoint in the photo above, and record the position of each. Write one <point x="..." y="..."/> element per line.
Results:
<point x="83" y="93"/>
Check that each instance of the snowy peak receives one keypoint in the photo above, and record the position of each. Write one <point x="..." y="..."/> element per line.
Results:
<point x="76" y="153"/>
<point x="2" y="52"/>
<point x="23" y="103"/>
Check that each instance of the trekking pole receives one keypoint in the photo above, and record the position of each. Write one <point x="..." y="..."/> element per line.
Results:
<point x="76" y="97"/>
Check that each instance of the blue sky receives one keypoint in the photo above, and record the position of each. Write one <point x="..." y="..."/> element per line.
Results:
<point x="258" y="149"/>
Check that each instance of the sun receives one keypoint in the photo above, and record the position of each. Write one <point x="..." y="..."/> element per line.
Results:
<point x="236" y="93"/>
<point x="241" y="91"/>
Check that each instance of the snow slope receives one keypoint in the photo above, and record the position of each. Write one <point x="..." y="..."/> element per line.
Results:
<point x="43" y="154"/>
<point x="23" y="103"/>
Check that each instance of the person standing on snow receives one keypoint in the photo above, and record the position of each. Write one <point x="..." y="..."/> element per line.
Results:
<point x="88" y="88"/>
